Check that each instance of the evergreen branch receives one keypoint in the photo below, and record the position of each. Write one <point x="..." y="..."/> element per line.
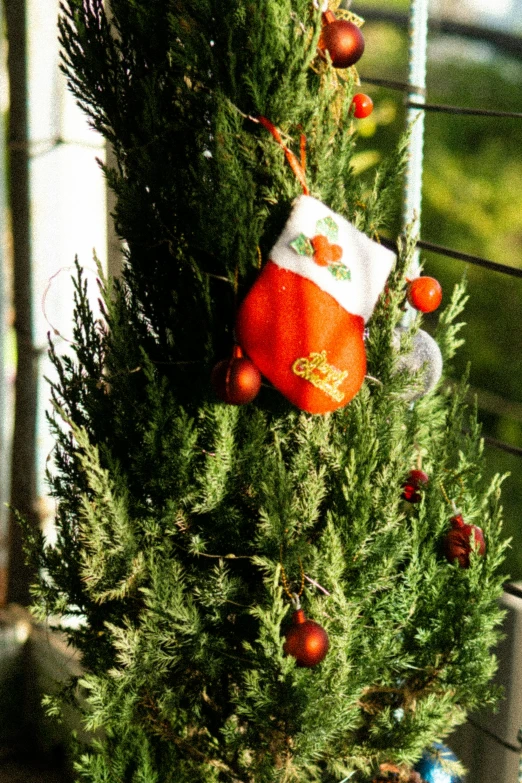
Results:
<point x="163" y="729"/>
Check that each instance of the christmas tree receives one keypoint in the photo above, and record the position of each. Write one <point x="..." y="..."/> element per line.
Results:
<point x="191" y="526"/>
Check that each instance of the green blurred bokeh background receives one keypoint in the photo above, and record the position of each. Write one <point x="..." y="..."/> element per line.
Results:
<point x="472" y="202"/>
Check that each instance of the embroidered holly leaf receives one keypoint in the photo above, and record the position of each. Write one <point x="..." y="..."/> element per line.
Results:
<point x="328" y="227"/>
<point x="302" y="246"/>
<point x="340" y="271"/>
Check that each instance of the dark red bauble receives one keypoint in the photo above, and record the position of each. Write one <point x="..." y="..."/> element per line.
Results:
<point x="342" y="40"/>
<point x="306" y="640"/>
<point x="236" y="380"/>
<point x="457" y="542"/>
<point x="417" y="480"/>
<point x="424" y="294"/>
<point x="362" y="105"/>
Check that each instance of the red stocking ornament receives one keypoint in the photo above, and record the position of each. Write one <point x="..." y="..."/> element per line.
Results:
<point x="302" y="322"/>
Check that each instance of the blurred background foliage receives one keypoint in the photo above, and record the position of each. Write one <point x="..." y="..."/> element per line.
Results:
<point x="472" y="202"/>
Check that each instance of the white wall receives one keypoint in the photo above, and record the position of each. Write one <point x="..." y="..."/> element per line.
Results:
<point x="68" y="200"/>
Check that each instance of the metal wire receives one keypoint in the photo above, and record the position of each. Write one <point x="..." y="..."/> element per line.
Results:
<point x="392" y="84"/>
<point x="469" y="258"/>
<point x="495" y="737"/>
<point x="463" y="110"/>
<point x="499" y="444"/>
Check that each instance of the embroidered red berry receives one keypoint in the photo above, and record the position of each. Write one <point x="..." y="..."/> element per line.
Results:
<point x="362" y="105"/>
<point x="424" y="294"/>
<point x="325" y="252"/>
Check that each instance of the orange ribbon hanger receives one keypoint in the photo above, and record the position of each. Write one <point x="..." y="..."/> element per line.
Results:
<point x="297" y="167"/>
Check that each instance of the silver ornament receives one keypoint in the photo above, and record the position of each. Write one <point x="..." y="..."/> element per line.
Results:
<point x="424" y="355"/>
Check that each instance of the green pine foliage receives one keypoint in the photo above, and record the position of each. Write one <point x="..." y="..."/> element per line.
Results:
<point x="176" y="513"/>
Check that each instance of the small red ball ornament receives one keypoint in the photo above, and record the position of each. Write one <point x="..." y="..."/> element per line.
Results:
<point x="424" y="294"/>
<point x="458" y="541"/>
<point x="362" y="105"/>
<point x="236" y="380"/>
<point x="417" y="480"/>
<point x="306" y="640"/>
<point x="342" y="40"/>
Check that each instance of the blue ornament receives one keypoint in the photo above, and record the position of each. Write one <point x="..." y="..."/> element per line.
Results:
<point x="432" y="765"/>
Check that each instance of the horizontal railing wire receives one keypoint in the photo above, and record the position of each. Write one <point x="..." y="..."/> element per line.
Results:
<point x="392" y="84"/>
<point x="464" y="110"/>
<point x="502" y="446"/>
<point x="508" y="745"/>
<point x="469" y="258"/>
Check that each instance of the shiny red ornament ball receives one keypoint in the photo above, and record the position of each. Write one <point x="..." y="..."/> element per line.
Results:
<point x="458" y="541"/>
<point x="342" y="40"/>
<point x="306" y="640"/>
<point x="362" y="105"/>
<point x="236" y="380"/>
<point x="424" y="294"/>
<point x="417" y="480"/>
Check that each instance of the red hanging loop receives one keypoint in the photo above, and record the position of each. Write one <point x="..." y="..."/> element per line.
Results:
<point x="297" y="168"/>
<point x="302" y="145"/>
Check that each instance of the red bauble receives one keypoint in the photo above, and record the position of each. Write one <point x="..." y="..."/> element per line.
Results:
<point x="236" y="380"/>
<point x="306" y="640"/>
<point x="417" y="480"/>
<point x="457" y="542"/>
<point x="424" y="294"/>
<point x="342" y="40"/>
<point x="362" y="105"/>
